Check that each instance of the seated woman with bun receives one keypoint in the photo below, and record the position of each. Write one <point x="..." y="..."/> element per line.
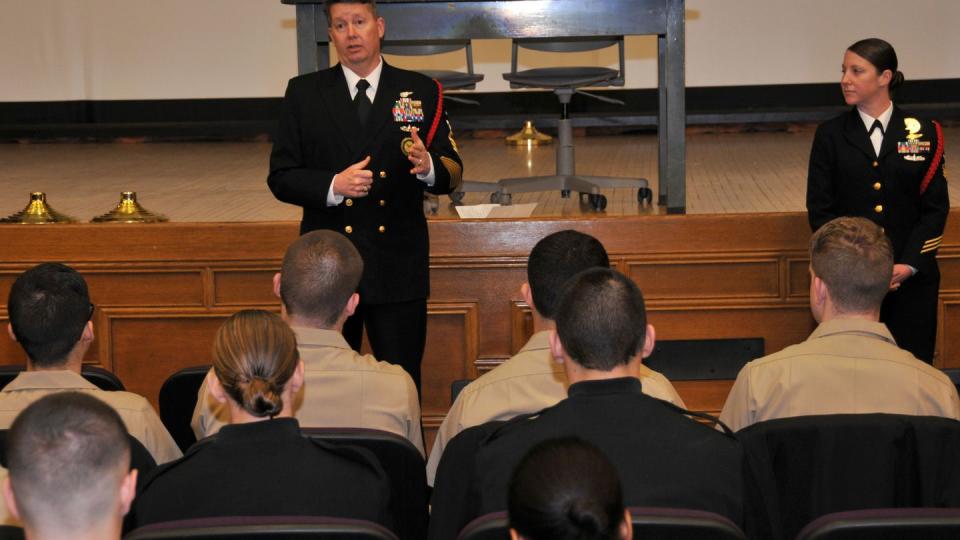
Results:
<point x="566" y="489"/>
<point x="260" y="465"/>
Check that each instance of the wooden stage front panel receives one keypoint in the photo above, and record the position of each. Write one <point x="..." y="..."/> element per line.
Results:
<point x="162" y="290"/>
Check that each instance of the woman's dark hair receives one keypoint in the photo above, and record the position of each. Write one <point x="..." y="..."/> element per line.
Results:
<point x="254" y="356"/>
<point x="881" y="54"/>
<point x="565" y="489"/>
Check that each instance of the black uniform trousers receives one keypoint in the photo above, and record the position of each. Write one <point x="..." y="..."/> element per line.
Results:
<point x="910" y="312"/>
<point x="397" y="332"/>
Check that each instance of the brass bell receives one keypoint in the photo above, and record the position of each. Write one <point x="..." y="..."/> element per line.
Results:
<point x="129" y="211"/>
<point x="38" y="212"/>
<point x="528" y="136"/>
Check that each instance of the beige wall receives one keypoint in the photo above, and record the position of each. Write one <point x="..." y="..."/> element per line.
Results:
<point x="168" y="49"/>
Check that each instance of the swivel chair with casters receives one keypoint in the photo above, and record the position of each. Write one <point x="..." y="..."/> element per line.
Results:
<point x="449" y="80"/>
<point x="565" y="82"/>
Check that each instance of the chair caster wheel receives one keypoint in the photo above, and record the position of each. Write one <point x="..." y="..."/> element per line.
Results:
<point x="645" y="194"/>
<point x="457" y="197"/>
<point x="565" y="193"/>
<point x="501" y="198"/>
<point x="598" y="201"/>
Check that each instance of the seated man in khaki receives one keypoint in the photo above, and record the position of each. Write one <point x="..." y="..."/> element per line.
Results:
<point x="70" y="476"/>
<point x="850" y="364"/>
<point x="50" y="311"/>
<point x="317" y="288"/>
<point x="531" y="380"/>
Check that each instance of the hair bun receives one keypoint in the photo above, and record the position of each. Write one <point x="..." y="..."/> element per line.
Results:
<point x="897" y="80"/>
<point x="260" y="398"/>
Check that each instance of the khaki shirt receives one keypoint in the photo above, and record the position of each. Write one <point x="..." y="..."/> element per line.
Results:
<point x="136" y="412"/>
<point x="846" y="366"/>
<point x="341" y="389"/>
<point x="526" y="383"/>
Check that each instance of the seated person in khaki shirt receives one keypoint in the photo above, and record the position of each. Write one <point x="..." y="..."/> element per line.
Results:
<point x="851" y="363"/>
<point x="50" y="311"/>
<point x="317" y="289"/>
<point x="70" y="476"/>
<point x="532" y="380"/>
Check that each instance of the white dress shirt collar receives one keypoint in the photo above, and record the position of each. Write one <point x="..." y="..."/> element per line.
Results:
<point x="884" y="117"/>
<point x="373" y="78"/>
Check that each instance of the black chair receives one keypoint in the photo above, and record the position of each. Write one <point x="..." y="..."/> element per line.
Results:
<point x="648" y="524"/>
<point x="271" y="527"/>
<point x="457" y="386"/>
<point x="178" y="399"/>
<point x="10" y="532"/>
<point x="809" y="466"/>
<point x="886" y="524"/>
<point x="565" y="82"/>
<point x="449" y="79"/>
<point x="954" y="374"/>
<point x="494" y="526"/>
<point x="100" y="377"/>
<point x="404" y="466"/>
<point x="703" y="359"/>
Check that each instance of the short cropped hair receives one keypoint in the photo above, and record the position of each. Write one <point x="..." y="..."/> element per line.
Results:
<point x="49" y="306"/>
<point x="328" y="3"/>
<point x="601" y="319"/>
<point x="320" y="271"/>
<point x="557" y="258"/>
<point x="68" y="453"/>
<point x="855" y="259"/>
<point x="565" y="489"/>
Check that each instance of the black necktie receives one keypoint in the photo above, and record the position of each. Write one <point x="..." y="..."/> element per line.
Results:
<point x="876" y="125"/>
<point x="362" y="101"/>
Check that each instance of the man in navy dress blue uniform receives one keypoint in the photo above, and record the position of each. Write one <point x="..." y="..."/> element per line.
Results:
<point x="356" y="147"/>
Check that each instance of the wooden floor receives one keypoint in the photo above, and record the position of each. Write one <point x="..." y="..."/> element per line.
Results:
<point x="726" y="173"/>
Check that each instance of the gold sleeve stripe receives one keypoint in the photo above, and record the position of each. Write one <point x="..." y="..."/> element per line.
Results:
<point x="455" y="170"/>
<point x="932" y="240"/>
<point x="931" y="247"/>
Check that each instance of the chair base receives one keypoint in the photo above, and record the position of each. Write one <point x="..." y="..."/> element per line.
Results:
<point x="584" y="185"/>
<point x="472" y="186"/>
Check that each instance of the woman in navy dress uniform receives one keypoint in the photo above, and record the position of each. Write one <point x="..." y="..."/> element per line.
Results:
<point x="879" y="162"/>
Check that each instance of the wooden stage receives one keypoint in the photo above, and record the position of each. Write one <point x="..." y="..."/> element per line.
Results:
<point x="734" y="267"/>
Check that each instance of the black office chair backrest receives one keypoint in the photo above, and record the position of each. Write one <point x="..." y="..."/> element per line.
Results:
<point x="954" y="375"/>
<point x="569" y="45"/>
<point x="450" y="79"/>
<point x="456" y="387"/>
<point x="885" y="523"/>
<point x="404" y="466"/>
<point x="648" y="524"/>
<point x="703" y="359"/>
<point x="809" y="466"/>
<point x="100" y="377"/>
<point x="178" y="399"/>
<point x="268" y="527"/>
<point x="424" y="48"/>
<point x="682" y="524"/>
<point x="10" y="532"/>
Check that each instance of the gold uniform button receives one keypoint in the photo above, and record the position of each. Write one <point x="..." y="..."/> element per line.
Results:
<point x="349" y="229"/>
<point x="383" y="174"/>
<point x="383" y="202"/>
<point x="349" y="202"/>
<point x="876" y="164"/>
<point x="877" y="186"/>
<point x="382" y="228"/>
<point x="878" y="208"/>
